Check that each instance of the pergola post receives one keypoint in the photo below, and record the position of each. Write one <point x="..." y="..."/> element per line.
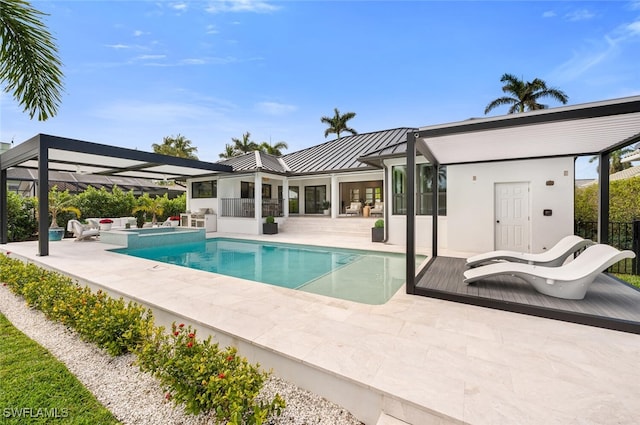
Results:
<point x="43" y="199"/>
<point x="4" y="215"/>
<point x="411" y="216"/>
<point x="603" y="198"/>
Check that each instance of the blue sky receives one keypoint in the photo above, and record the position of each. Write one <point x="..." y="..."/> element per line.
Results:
<point x="136" y="71"/>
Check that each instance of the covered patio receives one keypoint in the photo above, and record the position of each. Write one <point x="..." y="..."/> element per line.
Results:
<point x="593" y="129"/>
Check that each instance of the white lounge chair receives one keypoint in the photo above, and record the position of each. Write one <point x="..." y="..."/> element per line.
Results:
<point x="354" y="208"/>
<point x="553" y="257"/>
<point x="569" y="281"/>
<point x="80" y="231"/>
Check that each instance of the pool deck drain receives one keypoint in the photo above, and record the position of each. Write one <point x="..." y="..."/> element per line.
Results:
<point x="420" y="360"/>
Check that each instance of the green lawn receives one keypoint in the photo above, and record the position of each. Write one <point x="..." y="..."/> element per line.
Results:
<point x="35" y="388"/>
<point x="630" y="278"/>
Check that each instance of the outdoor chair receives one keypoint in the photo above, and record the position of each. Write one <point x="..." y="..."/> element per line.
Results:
<point x="80" y="231"/>
<point x="378" y="208"/>
<point x="354" y="208"/>
<point x="569" y="281"/>
<point x="553" y="257"/>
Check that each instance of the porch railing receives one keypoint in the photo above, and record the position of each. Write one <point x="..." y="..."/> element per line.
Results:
<point x="245" y="207"/>
<point x="622" y="236"/>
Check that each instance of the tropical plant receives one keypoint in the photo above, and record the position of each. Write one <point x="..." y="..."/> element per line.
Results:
<point x="338" y="123"/>
<point x="615" y="160"/>
<point x="178" y="146"/>
<point x="149" y="205"/>
<point x="245" y="144"/>
<point x="21" y="223"/>
<point x="229" y="152"/>
<point x="275" y="150"/>
<point x="61" y="202"/>
<point x="29" y="62"/>
<point x="525" y="94"/>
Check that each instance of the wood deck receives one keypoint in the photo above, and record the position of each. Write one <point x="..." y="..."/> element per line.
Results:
<point x="609" y="303"/>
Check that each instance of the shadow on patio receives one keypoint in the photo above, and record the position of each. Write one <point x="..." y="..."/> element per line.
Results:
<point x="609" y="303"/>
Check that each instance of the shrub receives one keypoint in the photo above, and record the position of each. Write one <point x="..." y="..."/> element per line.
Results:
<point x="623" y="201"/>
<point x="270" y="219"/>
<point x="204" y="377"/>
<point x="21" y="224"/>
<point x="110" y="323"/>
<point x="379" y="223"/>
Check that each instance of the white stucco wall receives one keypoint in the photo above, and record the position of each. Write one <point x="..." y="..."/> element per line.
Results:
<point x="470" y="201"/>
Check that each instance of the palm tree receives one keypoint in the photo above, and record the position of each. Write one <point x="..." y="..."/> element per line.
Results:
<point x="178" y="146"/>
<point x="229" y="152"/>
<point x="245" y="145"/>
<point x="29" y="62"/>
<point x="275" y="150"/>
<point x="338" y="123"/>
<point x="525" y="95"/>
<point x="615" y="157"/>
<point x="60" y="202"/>
<point x="153" y="206"/>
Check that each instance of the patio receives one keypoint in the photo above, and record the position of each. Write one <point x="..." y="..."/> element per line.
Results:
<point x="609" y="303"/>
<point x="418" y="359"/>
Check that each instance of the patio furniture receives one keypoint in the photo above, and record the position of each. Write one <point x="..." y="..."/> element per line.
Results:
<point x="80" y="231"/>
<point x="553" y="257"/>
<point x="354" y="208"/>
<point x="569" y="281"/>
<point x="378" y="208"/>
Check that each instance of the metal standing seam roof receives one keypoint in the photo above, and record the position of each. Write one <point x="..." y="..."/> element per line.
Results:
<point x="249" y="162"/>
<point x="342" y="154"/>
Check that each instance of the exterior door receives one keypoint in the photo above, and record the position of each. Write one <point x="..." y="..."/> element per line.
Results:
<point x="313" y="198"/>
<point x="512" y="216"/>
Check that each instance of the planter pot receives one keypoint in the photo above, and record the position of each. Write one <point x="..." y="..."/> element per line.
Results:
<point x="269" y="228"/>
<point x="326" y="212"/>
<point x="56" y="234"/>
<point x="105" y="226"/>
<point x="366" y="211"/>
<point x="377" y="234"/>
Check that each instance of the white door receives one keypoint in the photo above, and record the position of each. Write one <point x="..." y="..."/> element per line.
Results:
<point x="512" y="216"/>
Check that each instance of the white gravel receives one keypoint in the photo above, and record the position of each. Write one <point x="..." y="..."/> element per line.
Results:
<point x="135" y="397"/>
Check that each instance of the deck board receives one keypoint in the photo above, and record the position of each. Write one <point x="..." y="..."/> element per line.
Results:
<point x="606" y="297"/>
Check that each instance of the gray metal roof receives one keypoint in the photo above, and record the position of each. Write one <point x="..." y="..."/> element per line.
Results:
<point x="342" y="154"/>
<point x="254" y="161"/>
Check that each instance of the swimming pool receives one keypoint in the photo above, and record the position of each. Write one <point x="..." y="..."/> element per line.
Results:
<point x="363" y="276"/>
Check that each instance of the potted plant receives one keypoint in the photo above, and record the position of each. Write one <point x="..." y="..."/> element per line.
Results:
<point x="148" y="205"/>
<point x="105" y="224"/>
<point x="270" y="227"/>
<point x="325" y="207"/>
<point x="59" y="202"/>
<point x="377" y="231"/>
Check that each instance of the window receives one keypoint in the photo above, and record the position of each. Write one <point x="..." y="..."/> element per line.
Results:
<point x="424" y="201"/>
<point x="399" y="183"/>
<point x="247" y="190"/>
<point x="206" y="189"/>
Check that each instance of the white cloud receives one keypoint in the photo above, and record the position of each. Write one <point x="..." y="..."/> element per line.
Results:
<point x="598" y="51"/>
<point x="580" y="15"/>
<point x="119" y="46"/>
<point x="211" y="29"/>
<point x="549" y="14"/>
<point x="151" y="57"/>
<point x="179" y="6"/>
<point x="193" y="61"/>
<point x="275" y="108"/>
<point x="138" y="33"/>
<point x="256" y="6"/>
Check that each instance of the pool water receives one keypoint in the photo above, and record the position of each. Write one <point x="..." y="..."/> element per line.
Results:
<point x="363" y="276"/>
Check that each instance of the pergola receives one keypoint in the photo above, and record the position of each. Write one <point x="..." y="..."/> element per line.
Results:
<point x="597" y="128"/>
<point x="50" y="153"/>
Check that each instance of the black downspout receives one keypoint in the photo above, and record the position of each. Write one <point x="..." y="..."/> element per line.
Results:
<point x="603" y="199"/>
<point x="43" y="199"/>
<point x="411" y="217"/>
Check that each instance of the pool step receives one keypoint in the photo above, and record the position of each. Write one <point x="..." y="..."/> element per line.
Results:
<point x="346" y="226"/>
